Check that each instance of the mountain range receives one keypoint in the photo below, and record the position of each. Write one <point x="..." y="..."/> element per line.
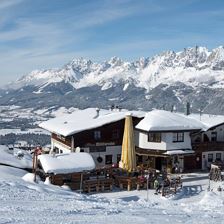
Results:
<point x="194" y="75"/>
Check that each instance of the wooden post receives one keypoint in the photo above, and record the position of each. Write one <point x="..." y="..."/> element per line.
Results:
<point x="163" y="190"/>
<point x="147" y="187"/>
<point x="35" y="166"/>
<point x="97" y="187"/>
<point x="81" y="180"/>
<point x="129" y="185"/>
<point x="138" y="186"/>
<point x="102" y="187"/>
<point x="34" y="161"/>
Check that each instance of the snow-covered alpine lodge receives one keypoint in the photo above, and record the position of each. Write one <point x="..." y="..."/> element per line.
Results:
<point x="162" y="139"/>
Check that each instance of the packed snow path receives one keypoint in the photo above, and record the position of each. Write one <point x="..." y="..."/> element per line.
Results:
<point x="27" y="202"/>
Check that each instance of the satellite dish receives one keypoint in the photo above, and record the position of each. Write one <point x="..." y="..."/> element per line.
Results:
<point x="99" y="159"/>
<point x="77" y="149"/>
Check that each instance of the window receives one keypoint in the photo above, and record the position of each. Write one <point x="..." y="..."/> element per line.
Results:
<point x="210" y="157"/>
<point x="140" y="159"/>
<point x="154" y="137"/>
<point x="97" y="149"/>
<point x="118" y="158"/>
<point x="108" y="159"/>
<point x="67" y="178"/>
<point x="218" y="156"/>
<point x="178" y="137"/>
<point x="97" y="135"/>
<point x="197" y="139"/>
<point x="214" y="136"/>
<point x="115" y="134"/>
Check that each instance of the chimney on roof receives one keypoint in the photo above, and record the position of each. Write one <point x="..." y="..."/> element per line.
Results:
<point x="112" y="107"/>
<point x="97" y="112"/>
<point x="187" y="112"/>
<point x="173" y="109"/>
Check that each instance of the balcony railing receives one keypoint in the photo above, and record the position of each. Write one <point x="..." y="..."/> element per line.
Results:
<point x="214" y="146"/>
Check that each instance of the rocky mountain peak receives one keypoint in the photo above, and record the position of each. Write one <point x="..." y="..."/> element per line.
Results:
<point x="192" y="66"/>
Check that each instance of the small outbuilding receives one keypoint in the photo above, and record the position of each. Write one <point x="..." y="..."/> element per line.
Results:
<point x="66" y="168"/>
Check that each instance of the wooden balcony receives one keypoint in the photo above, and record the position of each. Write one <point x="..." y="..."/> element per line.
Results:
<point x="208" y="146"/>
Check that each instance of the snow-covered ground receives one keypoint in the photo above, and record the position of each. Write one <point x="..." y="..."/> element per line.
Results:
<point x="19" y="131"/>
<point x="27" y="202"/>
<point x="15" y="158"/>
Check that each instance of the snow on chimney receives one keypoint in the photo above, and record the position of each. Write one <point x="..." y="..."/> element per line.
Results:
<point x="97" y="112"/>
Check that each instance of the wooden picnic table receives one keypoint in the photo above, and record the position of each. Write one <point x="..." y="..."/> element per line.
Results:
<point x="126" y="182"/>
<point x="96" y="185"/>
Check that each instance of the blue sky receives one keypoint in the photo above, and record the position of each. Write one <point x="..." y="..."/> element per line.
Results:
<point x="44" y="34"/>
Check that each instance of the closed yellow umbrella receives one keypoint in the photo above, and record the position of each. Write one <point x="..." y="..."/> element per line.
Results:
<point x="128" y="156"/>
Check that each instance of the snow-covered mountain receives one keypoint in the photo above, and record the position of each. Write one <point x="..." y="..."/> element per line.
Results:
<point x="170" y="78"/>
<point x="192" y="66"/>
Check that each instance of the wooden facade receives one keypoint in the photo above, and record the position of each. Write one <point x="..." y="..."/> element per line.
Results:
<point x="92" y="181"/>
<point x="64" y="140"/>
<point x="198" y="160"/>
<point x="109" y="134"/>
<point x="104" y="143"/>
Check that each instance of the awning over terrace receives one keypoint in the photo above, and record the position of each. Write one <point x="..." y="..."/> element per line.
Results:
<point x="179" y="152"/>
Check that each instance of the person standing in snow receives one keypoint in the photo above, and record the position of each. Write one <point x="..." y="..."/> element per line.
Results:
<point x="158" y="183"/>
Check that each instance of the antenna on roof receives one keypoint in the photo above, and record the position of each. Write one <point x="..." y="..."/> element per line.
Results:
<point x="200" y="112"/>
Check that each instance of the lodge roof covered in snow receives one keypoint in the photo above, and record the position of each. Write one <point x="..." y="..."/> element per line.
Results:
<point x="209" y="120"/>
<point x="87" y="119"/>
<point x="161" y="120"/>
<point x="66" y="162"/>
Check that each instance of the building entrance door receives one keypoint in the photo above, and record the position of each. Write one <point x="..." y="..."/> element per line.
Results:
<point x="158" y="163"/>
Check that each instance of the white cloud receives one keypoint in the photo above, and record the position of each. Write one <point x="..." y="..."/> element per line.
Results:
<point x="51" y="38"/>
<point x="4" y="4"/>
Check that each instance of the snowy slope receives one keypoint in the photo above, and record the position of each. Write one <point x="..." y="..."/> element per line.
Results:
<point x="12" y="159"/>
<point x="26" y="202"/>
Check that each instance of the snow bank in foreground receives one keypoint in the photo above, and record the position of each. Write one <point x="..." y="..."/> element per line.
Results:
<point x="47" y="181"/>
<point x="212" y="200"/>
<point x="23" y="202"/>
<point x="29" y="177"/>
